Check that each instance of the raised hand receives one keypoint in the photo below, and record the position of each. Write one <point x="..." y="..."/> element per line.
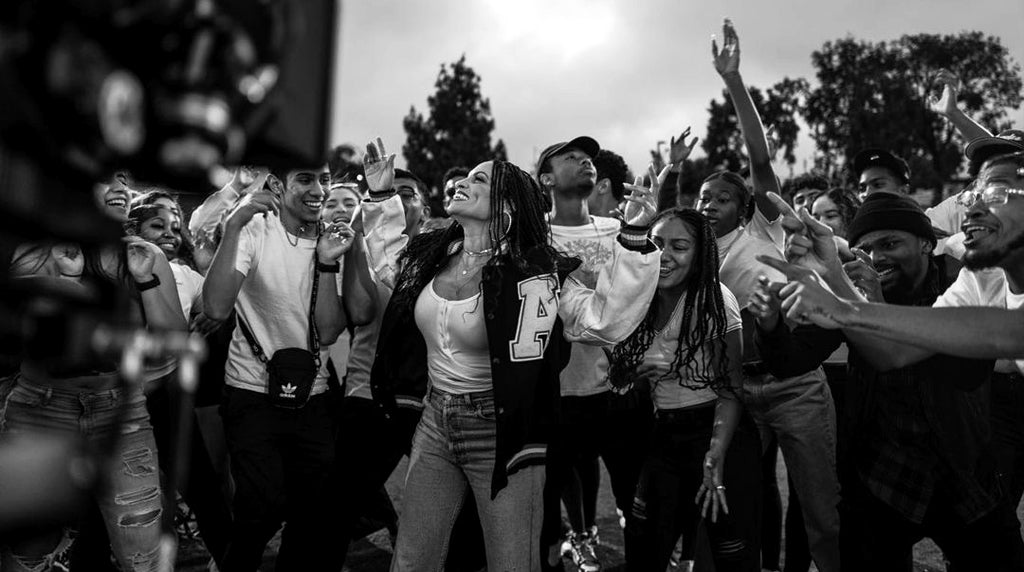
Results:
<point x="946" y="103"/>
<point x="711" y="494"/>
<point x="252" y="204"/>
<point x="727" y="61"/>
<point x="642" y="202"/>
<point x="334" y="242"/>
<point x="679" y="149"/>
<point x="864" y="276"/>
<point x="69" y="259"/>
<point x="379" y="167"/>
<point x="765" y="304"/>
<point x="142" y="256"/>
<point x="258" y="176"/>
<point x="809" y="243"/>
<point x="807" y="300"/>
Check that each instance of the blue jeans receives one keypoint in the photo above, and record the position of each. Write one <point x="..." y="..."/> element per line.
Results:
<point x="454" y="448"/>
<point x="131" y="504"/>
<point x="799" y="413"/>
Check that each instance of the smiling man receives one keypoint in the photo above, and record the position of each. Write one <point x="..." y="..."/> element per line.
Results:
<point x="898" y="236"/>
<point x="276" y="270"/>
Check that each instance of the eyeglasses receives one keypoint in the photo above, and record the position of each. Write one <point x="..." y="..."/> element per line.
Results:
<point x="990" y="195"/>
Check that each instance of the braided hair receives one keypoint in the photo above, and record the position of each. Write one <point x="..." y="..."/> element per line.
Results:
<point x="703" y="322"/>
<point x="518" y="230"/>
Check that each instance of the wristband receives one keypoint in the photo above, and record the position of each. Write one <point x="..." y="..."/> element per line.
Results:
<point x="148" y="285"/>
<point x="328" y="268"/>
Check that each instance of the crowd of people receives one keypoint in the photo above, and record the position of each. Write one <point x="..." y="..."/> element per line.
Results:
<point x="508" y="330"/>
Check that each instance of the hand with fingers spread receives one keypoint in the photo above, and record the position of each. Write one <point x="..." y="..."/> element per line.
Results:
<point x="335" y="240"/>
<point x="806" y="299"/>
<point x="765" y="304"/>
<point x="727" y="61"/>
<point x="642" y="202"/>
<point x="946" y="103"/>
<point x="379" y="167"/>
<point x="257" y="202"/>
<point x="679" y="150"/>
<point x="711" y="494"/>
<point x="864" y="276"/>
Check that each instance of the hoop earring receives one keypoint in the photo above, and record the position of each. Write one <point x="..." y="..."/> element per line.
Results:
<point x="508" y="227"/>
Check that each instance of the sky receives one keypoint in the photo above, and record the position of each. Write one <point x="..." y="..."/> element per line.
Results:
<point x="628" y="73"/>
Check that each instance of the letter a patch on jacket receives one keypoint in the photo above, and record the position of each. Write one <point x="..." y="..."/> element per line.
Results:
<point x="538" y="309"/>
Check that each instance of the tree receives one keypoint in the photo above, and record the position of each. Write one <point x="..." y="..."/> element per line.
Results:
<point x="876" y="95"/>
<point x="457" y="131"/>
<point x="779" y="106"/>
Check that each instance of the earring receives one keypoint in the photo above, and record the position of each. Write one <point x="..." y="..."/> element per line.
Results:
<point x="508" y="227"/>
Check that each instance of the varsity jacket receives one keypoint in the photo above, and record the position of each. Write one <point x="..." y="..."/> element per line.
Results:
<point x="530" y="318"/>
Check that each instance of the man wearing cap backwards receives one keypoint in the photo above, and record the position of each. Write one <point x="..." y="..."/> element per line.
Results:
<point x="957" y="325"/>
<point x="916" y="448"/>
<point x="593" y="421"/>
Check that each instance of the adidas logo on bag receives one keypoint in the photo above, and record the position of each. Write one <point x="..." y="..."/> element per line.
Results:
<point x="288" y="390"/>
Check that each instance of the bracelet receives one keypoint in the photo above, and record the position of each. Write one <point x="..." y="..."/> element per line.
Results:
<point x="328" y="268"/>
<point x="148" y="285"/>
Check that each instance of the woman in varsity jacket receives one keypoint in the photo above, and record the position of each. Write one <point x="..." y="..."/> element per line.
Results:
<point x="479" y="323"/>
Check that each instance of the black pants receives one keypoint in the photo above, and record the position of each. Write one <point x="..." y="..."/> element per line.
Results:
<point x="664" y="505"/>
<point x="1008" y="434"/>
<point x="369" y="447"/>
<point x="280" y="460"/>
<point x="616" y="428"/>
<point x="876" y="537"/>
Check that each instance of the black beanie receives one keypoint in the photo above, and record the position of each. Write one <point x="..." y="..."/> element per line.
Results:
<point x="887" y="211"/>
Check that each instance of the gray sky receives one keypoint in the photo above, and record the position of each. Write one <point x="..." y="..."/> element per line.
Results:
<point x="629" y="73"/>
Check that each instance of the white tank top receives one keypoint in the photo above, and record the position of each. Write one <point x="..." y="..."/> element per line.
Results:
<point x="458" y="357"/>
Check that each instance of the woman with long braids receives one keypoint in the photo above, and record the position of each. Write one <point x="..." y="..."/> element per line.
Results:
<point x="478" y="322"/>
<point x="688" y="350"/>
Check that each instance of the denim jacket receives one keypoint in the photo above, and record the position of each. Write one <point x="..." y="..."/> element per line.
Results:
<point x="530" y="318"/>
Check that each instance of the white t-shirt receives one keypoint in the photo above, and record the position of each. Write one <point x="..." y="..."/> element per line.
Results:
<point x="273" y="301"/>
<point x="458" y="355"/>
<point x="594" y="244"/>
<point x="987" y="288"/>
<point x="190" y="286"/>
<point x="948" y="215"/>
<point x="669" y="394"/>
<point x="737" y="252"/>
<point x="340" y="349"/>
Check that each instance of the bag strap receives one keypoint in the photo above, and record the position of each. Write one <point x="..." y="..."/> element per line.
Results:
<point x="249" y="337"/>
<point x="314" y="336"/>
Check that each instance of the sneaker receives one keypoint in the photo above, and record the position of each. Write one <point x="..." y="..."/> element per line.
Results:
<point x="566" y="548"/>
<point x="583" y="555"/>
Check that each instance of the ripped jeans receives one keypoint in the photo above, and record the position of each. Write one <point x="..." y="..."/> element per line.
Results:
<point x="131" y="505"/>
<point x="664" y="504"/>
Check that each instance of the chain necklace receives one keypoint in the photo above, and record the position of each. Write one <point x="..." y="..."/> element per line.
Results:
<point x="298" y="237"/>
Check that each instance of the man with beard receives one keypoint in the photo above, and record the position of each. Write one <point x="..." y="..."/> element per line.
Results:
<point x="593" y="421"/>
<point x="994" y="277"/>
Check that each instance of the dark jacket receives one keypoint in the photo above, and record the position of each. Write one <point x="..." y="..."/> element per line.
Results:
<point x="525" y="366"/>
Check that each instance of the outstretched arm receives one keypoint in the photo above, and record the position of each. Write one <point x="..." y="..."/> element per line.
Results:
<point x="727" y="63"/>
<point x="946" y="106"/>
<point x="625" y="285"/>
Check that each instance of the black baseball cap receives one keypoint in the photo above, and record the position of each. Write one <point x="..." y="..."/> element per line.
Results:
<point x="586" y="144"/>
<point x="876" y="157"/>
<point x="983" y="148"/>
